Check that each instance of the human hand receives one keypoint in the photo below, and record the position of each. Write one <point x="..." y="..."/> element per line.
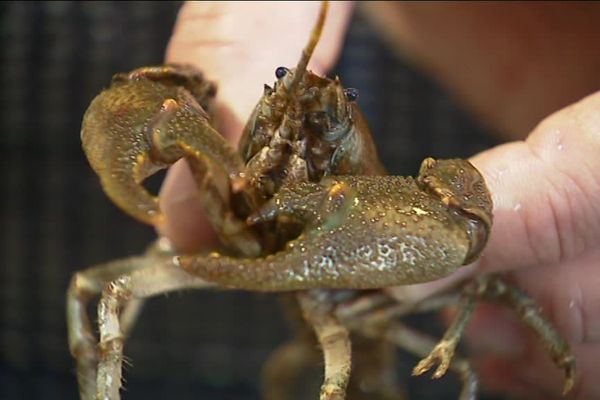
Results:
<point x="512" y="65"/>
<point x="546" y="232"/>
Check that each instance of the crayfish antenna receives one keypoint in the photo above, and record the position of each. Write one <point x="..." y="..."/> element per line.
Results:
<point x="310" y="47"/>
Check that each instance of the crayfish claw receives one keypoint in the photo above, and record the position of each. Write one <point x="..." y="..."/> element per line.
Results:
<point x="146" y="121"/>
<point x="118" y="151"/>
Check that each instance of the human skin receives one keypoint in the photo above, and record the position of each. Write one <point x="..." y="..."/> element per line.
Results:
<point x="546" y="187"/>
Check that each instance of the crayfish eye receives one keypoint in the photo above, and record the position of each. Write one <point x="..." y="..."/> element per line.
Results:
<point x="351" y="94"/>
<point x="280" y="72"/>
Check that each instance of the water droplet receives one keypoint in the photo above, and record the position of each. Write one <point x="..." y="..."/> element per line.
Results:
<point x="558" y="140"/>
<point x="517" y="207"/>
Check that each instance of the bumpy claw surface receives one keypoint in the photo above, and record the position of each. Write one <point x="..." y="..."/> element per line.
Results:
<point x="364" y="232"/>
<point x="145" y="121"/>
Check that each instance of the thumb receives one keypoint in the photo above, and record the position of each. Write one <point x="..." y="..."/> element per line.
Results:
<point x="546" y="190"/>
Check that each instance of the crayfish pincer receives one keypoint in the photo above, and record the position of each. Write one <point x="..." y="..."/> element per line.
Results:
<point x="302" y="206"/>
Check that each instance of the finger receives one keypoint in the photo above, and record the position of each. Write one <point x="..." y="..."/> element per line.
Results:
<point x="546" y="191"/>
<point x="511" y="63"/>
<point x="567" y="294"/>
<point x="497" y="343"/>
<point x="526" y="378"/>
<point x="240" y="44"/>
<point x="185" y="223"/>
<point x="528" y="372"/>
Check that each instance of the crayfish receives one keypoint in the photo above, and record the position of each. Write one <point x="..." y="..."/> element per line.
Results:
<point x="303" y="206"/>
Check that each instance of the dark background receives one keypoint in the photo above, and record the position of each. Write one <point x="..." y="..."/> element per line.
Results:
<point x="54" y="218"/>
